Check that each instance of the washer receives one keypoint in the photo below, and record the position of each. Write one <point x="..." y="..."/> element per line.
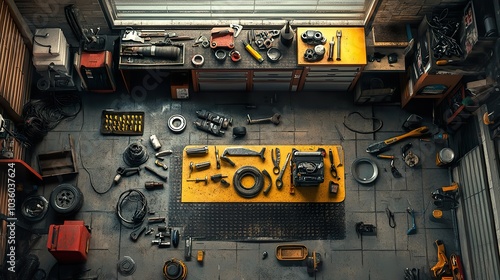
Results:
<point x="198" y="60"/>
<point x="173" y="126"/>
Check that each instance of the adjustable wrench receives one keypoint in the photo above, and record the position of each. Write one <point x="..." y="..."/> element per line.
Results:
<point x="339" y="35"/>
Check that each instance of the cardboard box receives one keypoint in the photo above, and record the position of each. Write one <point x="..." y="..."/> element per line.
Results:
<point x="179" y="85"/>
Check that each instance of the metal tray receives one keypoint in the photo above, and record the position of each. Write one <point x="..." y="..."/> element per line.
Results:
<point x="122" y="123"/>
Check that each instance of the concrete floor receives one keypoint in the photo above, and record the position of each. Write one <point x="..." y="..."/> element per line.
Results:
<point x="307" y="118"/>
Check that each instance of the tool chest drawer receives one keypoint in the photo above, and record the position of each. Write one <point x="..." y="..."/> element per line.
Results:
<point x="326" y="86"/>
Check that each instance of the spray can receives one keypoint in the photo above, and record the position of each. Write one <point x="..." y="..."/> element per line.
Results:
<point x="287" y="34"/>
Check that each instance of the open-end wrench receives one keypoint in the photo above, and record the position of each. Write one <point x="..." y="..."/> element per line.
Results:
<point x="275" y="119"/>
<point x="330" y="53"/>
<point x="339" y="35"/>
<point x="279" y="179"/>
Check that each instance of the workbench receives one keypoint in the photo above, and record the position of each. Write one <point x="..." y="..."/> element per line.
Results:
<point x="287" y="74"/>
<point x="193" y="191"/>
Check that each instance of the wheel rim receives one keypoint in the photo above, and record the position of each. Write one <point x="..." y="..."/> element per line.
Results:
<point x="64" y="199"/>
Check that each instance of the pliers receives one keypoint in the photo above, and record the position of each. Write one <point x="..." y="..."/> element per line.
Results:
<point x="333" y="169"/>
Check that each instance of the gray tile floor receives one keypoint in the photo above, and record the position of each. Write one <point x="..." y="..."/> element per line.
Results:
<point x="307" y="118"/>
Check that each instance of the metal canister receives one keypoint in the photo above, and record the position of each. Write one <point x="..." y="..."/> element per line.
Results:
<point x="444" y="157"/>
<point x="155" y="142"/>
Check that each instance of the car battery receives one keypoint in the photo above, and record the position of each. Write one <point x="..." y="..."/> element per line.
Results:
<point x="96" y="71"/>
<point x="307" y="168"/>
<point x="69" y="242"/>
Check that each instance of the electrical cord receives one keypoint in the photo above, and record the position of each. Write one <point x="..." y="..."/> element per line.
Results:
<point x="140" y="210"/>
<point x="366" y="118"/>
<point x="42" y="115"/>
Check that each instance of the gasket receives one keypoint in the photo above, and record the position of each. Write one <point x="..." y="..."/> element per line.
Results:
<point x="252" y="191"/>
<point x="273" y="54"/>
<point x="172" y="123"/>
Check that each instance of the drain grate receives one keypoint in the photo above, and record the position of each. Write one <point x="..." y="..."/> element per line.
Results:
<point x="253" y="221"/>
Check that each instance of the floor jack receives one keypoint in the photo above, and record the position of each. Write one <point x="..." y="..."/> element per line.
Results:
<point x="442" y="268"/>
<point x="446" y="197"/>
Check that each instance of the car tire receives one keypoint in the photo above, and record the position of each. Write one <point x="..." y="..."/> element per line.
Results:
<point x="66" y="199"/>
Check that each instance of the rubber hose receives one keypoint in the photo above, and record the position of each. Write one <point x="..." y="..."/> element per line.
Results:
<point x="169" y="52"/>
<point x="254" y="190"/>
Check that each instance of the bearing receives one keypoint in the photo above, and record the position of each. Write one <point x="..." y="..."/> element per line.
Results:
<point x="177" y="123"/>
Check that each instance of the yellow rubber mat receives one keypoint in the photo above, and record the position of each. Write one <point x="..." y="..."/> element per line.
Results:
<point x="216" y="192"/>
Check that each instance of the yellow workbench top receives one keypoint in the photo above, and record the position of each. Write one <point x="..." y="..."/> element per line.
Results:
<point x="352" y="47"/>
<point x="215" y="192"/>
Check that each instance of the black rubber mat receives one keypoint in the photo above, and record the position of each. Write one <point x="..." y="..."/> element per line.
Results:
<point x="253" y="221"/>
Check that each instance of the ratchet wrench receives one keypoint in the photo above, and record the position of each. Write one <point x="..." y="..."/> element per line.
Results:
<point x="279" y="180"/>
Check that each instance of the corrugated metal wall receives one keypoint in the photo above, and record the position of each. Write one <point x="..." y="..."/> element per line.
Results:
<point x="15" y="73"/>
<point x="481" y="248"/>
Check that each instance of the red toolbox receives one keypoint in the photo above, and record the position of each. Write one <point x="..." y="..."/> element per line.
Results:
<point x="69" y="243"/>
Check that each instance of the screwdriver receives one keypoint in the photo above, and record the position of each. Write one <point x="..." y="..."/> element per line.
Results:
<point x="251" y="50"/>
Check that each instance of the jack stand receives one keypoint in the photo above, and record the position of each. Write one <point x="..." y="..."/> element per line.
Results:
<point x="442" y="265"/>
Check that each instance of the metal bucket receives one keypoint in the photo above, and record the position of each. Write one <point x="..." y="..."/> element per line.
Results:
<point x="445" y="156"/>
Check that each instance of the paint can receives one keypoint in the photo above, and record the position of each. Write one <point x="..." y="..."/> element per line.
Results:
<point x="444" y="157"/>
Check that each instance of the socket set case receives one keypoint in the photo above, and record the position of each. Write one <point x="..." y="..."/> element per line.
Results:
<point x="122" y="123"/>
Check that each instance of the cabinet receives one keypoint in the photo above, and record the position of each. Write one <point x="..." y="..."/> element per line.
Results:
<point x="333" y="75"/>
<point x="381" y="81"/>
<point x="246" y="80"/>
<point x="428" y="83"/>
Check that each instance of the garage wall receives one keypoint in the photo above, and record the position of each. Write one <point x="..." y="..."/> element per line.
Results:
<point x="49" y="13"/>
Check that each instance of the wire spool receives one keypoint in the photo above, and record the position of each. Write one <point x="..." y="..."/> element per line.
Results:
<point x="198" y="60"/>
<point x="135" y="154"/>
<point x="175" y="269"/>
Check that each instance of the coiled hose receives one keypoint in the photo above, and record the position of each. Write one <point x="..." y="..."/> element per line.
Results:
<point x="252" y="191"/>
<point x="140" y="211"/>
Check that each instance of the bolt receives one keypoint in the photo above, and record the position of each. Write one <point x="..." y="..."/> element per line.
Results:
<point x="197" y="180"/>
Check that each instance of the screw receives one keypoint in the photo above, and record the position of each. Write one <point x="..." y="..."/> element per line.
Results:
<point x="197" y="180"/>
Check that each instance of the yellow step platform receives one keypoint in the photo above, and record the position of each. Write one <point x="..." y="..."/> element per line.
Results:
<point x="216" y="192"/>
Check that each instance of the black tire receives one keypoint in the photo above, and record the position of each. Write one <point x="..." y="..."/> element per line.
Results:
<point x="254" y="190"/>
<point x="34" y="208"/>
<point x="66" y="199"/>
